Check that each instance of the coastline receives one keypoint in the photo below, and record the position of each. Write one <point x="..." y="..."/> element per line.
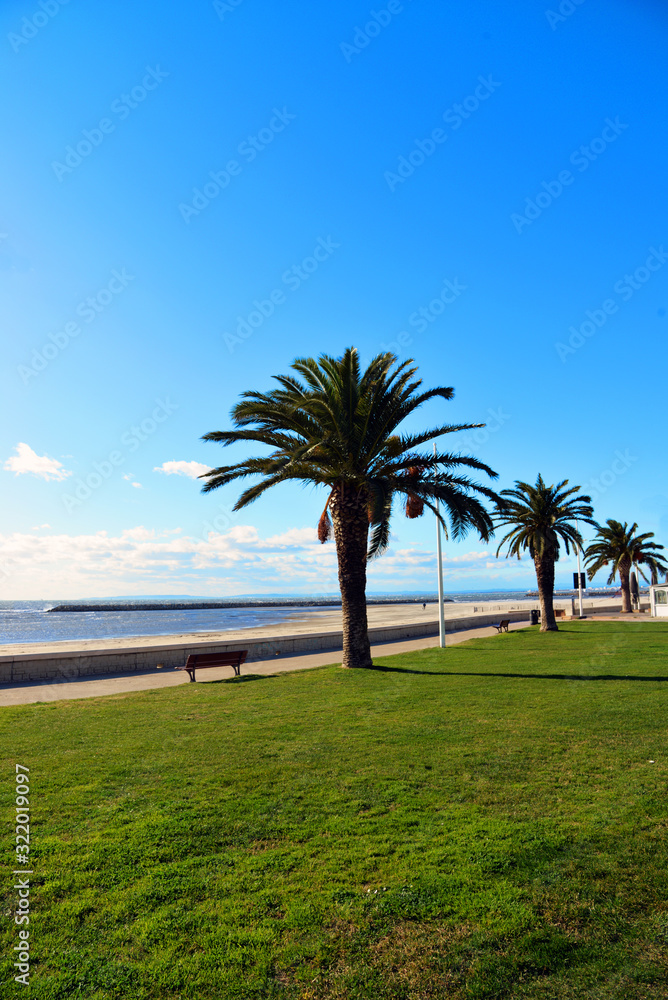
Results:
<point x="221" y="605"/>
<point x="314" y="602"/>
<point x="325" y="622"/>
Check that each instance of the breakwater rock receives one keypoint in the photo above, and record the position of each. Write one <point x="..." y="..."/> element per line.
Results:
<point x="205" y="605"/>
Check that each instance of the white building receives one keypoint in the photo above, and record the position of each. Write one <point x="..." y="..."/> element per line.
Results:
<point x="658" y="600"/>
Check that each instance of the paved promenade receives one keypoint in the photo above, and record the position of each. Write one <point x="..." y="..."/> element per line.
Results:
<point x="95" y="687"/>
<point x="302" y="632"/>
<point x="301" y="623"/>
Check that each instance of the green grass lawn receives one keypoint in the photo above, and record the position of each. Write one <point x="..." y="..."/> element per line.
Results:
<point x="478" y="822"/>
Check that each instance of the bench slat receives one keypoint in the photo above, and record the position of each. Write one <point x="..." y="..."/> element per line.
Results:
<point x="222" y="659"/>
<point x="232" y="659"/>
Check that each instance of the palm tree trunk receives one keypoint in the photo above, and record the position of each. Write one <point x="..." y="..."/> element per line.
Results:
<point x="545" y="579"/>
<point x="624" y="578"/>
<point x="351" y="529"/>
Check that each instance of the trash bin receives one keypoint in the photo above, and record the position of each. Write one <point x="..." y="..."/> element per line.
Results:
<point x="534" y="616"/>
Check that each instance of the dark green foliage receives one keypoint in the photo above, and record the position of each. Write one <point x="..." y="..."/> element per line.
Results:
<point x="541" y="518"/>
<point x="618" y="546"/>
<point x="338" y="426"/>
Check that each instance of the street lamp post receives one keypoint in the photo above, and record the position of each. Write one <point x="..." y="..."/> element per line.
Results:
<point x="439" y="558"/>
<point x="577" y="525"/>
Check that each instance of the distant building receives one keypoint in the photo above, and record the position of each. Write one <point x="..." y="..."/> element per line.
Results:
<point x="658" y="600"/>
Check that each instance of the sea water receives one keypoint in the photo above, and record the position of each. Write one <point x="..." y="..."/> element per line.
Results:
<point x="31" y="621"/>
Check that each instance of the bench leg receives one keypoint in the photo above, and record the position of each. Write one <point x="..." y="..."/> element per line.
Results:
<point x="191" y="675"/>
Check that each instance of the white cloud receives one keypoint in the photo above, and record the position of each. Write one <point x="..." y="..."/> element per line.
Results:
<point x="142" y="560"/>
<point x="236" y="561"/>
<point x="37" y="527"/>
<point x="129" y="476"/>
<point x="190" y="469"/>
<point x="28" y="461"/>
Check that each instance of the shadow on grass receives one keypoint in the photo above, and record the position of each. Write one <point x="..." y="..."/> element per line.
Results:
<point x="547" y="677"/>
<point x="243" y="679"/>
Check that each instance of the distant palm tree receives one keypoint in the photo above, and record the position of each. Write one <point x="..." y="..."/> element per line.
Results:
<point x="618" y="546"/>
<point x="541" y="517"/>
<point x="337" y="428"/>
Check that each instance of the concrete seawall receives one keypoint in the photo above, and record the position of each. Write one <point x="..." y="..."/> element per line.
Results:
<point x="318" y="632"/>
<point x="135" y="658"/>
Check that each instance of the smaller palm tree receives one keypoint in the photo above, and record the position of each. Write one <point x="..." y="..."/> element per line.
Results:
<point x="541" y="517"/>
<point x="617" y="545"/>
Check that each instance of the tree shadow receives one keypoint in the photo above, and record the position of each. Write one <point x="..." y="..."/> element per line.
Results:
<point x="547" y="677"/>
<point x="243" y="679"/>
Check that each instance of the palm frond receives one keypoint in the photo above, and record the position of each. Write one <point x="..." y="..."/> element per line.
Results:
<point x="618" y="546"/>
<point x="541" y="518"/>
<point x="331" y="424"/>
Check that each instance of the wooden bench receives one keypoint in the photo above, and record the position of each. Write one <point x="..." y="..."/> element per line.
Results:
<point x="501" y="626"/>
<point x="198" y="660"/>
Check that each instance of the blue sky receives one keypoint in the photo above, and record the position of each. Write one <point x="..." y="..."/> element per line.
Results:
<point x="172" y="173"/>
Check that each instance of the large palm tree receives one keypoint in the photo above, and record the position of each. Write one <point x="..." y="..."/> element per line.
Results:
<point x="337" y="426"/>
<point x="540" y="518"/>
<point x="617" y="545"/>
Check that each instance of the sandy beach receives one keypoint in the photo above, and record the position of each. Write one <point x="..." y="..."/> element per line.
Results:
<point x="300" y="623"/>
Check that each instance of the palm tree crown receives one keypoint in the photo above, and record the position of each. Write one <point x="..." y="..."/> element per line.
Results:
<point x="618" y="546"/>
<point x="338" y="428"/>
<point x="541" y="519"/>
<point x="542" y="516"/>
